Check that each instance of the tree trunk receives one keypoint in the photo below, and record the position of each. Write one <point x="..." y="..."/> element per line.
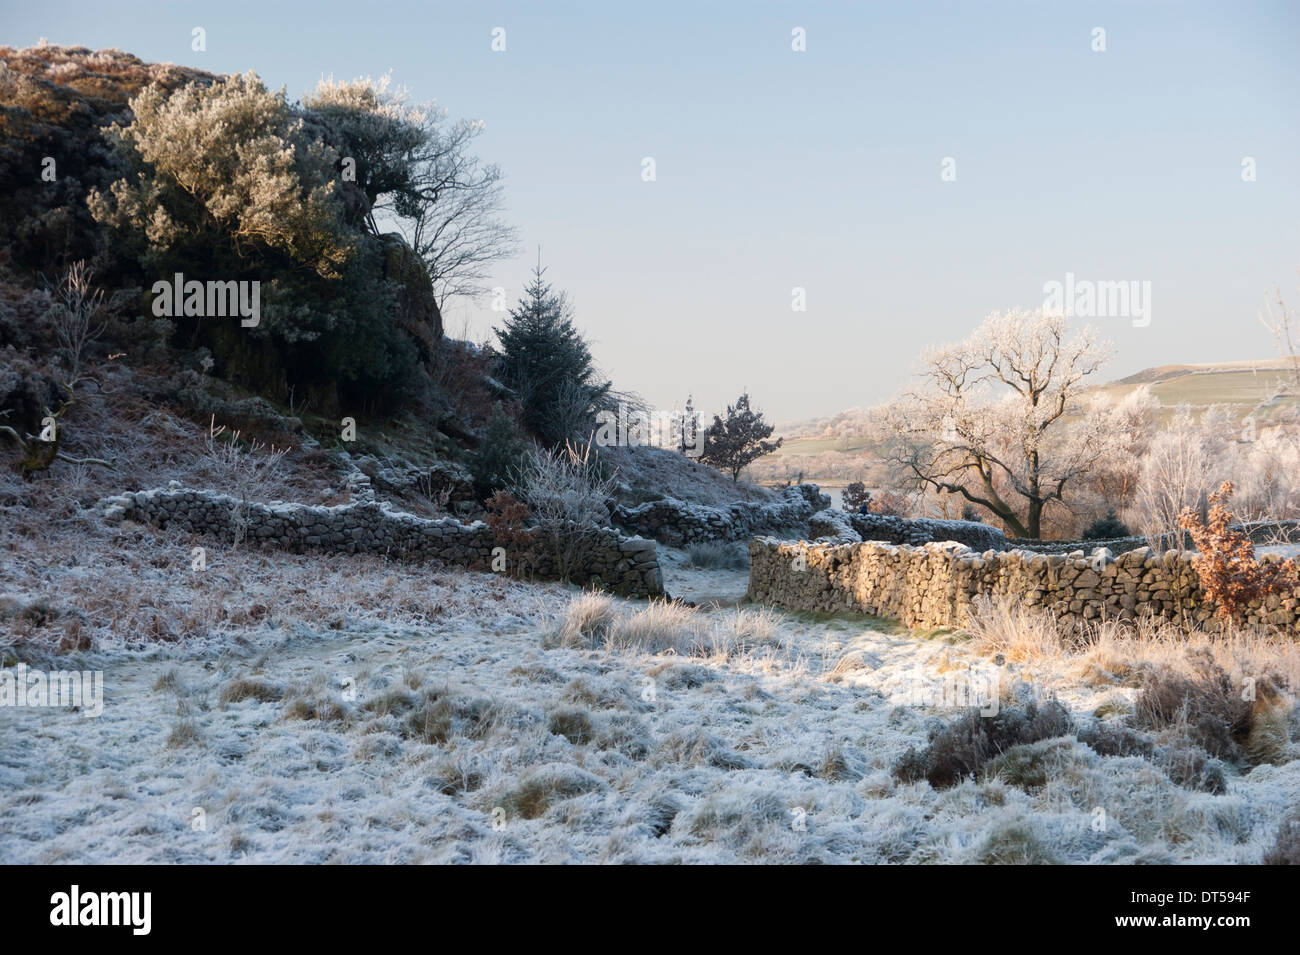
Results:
<point x="1033" y="526"/>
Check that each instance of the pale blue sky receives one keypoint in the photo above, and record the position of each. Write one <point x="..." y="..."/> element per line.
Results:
<point x="821" y="169"/>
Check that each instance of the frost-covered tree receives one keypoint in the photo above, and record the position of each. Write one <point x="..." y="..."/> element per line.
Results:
<point x="731" y="443"/>
<point x="227" y="163"/>
<point x="685" y="429"/>
<point x="1000" y="418"/>
<point x="224" y="179"/>
<point x="1115" y="479"/>
<point x="415" y="169"/>
<point x="1182" y="466"/>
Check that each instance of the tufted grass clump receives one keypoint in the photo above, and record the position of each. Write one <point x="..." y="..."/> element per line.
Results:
<point x="659" y="626"/>
<point x="573" y="723"/>
<point x="718" y="555"/>
<point x="1014" y="842"/>
<point x="595" y="620"/>
<point x="237" y="691"/>
<point x="585" y="622"/>
<point x="545" y="786"/>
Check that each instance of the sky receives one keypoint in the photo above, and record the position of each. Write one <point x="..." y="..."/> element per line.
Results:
<point x="916" y="167"/>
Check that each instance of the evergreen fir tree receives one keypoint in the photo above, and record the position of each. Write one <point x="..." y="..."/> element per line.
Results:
<point x="501" y="454"/>
<point x="544" y="359"/>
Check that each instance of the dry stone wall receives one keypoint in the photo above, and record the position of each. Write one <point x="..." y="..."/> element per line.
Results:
<point x="679" y="523"/>
<point x="1258" y="532"/>
<point x="623" y="565"/>
<point x="842" y="527"/>
<point x="934" y="585"/>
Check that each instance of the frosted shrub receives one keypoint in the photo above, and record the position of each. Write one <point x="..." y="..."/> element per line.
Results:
<point x="242" y="472"/>
<point x="566" y="494"/>
<point x="241" y="153"/>
<point x="1230" y="574"/>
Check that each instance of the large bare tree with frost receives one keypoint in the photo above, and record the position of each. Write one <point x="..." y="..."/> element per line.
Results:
<point x="1001" y="418"/>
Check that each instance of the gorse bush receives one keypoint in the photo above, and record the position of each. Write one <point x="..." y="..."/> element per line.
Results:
<point x="230" y="181"/>
<point x="54" y="102"/>
<point x="1106" y="528"/>
<point x="229" y="164"/>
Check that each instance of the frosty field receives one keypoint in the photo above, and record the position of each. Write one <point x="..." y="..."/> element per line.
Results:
<point x="383" y="713"/>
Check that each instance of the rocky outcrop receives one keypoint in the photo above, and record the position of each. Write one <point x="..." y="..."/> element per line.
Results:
<point x="680" y="523"/>
<point x="430" y="480"/>
<point x="628" y="566"/>
<point x="935" y="584"/>
<point x="418" y="315"/>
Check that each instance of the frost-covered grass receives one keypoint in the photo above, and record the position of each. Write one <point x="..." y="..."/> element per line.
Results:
<point x="345" y="709"/>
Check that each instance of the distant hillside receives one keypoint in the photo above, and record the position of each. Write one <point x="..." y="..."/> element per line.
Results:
<point x="1169" y="372"/>
<point x="1260" y="387"/>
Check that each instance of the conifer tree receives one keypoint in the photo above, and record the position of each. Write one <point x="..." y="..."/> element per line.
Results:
<point x="545" y="360"/>
<point x="731" y="444"/>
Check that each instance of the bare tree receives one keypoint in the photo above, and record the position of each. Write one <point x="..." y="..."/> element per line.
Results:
<point x="242" y="472"/>
<point x="78" y="308"/>
<point x="999" y="418"/>
<point x="1283" y="326"/>
<point x="458" y="233"/>
<point x="566" y="494"/>
<point x="414" y="168"/>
